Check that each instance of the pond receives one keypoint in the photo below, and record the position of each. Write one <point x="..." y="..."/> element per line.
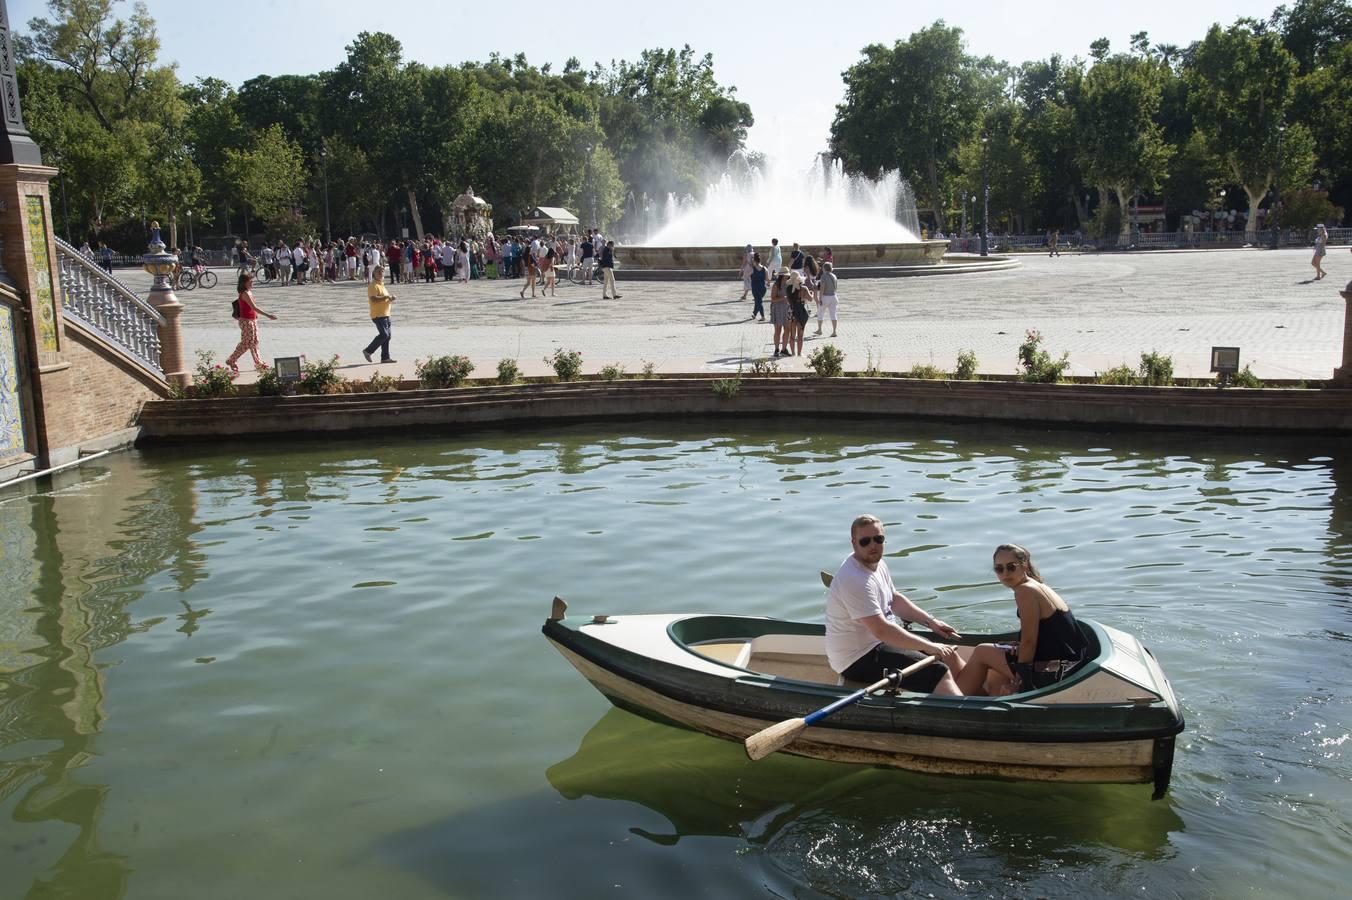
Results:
<point x="315" y="669"/>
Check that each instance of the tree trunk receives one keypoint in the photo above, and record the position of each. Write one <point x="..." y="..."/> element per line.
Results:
<point x="932" y="170"/>
<point x="1251" y="226"/>
<point x="1081" y="204"/>
<point x="1124" y="230"/>
<point x="173" y="229"/>
<point x="417" y="216"/>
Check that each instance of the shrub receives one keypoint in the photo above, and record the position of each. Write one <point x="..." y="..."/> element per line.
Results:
<point x="269" y="384"/>
<point x="648" y="369"/>
<point x="764" y="367"/>
<point x="727" y="388"/>
<point x="508" y="371"/>
<point x="567" y="364"/>
<point x="873" y="368"/>
<point x="966" y="367"/>
<point x="1245" y="378"/>
<point x="612" y="373"/>
<point x="925" y="370"/>
<point x="828" y="361"/>
<point x="379" y="383"/>
<point x="1156" y="369"/>
<point x="210" y="380"/>
<point x="320" y="377"/>
<point x="1117" y="375"/>
<point x="443" y="371"/>
<point x="1038" y="366"/>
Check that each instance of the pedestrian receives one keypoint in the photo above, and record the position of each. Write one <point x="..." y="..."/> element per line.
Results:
<point x="379" y="298"/>
<point x="462" y="260"/>
<point x="779" y="313"/>
<point x="396" y="260"/>
<point x="447" y="260"/>
<point x="547" y="271"/>
<point x="106" y="257"/>
<point x="1321" y="237"/>
<point x="588" y="251"/>
<point x="608" y="272"/>
<point x="1053" y="239"/>
<point x="758" y="280"/>
<point x="283" y="254"/>
<point x="350" y="259"/>
<point x="528" y="260"/>
<point x="246" y="311"/>
<point x="776" y="257"/>
<point x="827" y="287"/>
<point x="797" y="293"/>
<point x="746" y="272"/>
<point x="430" y="266"/>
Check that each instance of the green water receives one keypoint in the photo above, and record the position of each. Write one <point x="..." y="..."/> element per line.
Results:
<point x="315" y="670"/>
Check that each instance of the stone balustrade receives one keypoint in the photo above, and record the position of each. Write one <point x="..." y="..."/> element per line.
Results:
<point x="101" y="303"/>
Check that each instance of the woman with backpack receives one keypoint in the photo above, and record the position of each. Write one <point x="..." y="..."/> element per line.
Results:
<point x="246" y="311"/>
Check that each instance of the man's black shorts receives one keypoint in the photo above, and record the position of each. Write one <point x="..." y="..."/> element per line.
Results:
<point x="869" y="668"/>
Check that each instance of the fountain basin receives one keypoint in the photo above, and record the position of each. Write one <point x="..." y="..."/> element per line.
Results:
<point x="884" y="260"/>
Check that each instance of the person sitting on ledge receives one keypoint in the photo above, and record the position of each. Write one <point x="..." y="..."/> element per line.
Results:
<point x="862" y="634"/>
<point x="1050" y="646"/>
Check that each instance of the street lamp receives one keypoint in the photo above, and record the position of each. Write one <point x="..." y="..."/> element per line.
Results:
<point x="1277" y="192"/>
<point x="190" y="240"/>
<point x="324" y="167"/>
<point x="962" y="227"/>
<point x="985" y="197"/>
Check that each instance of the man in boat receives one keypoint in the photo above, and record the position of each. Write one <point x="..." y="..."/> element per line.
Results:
<point x="863" y="636"/>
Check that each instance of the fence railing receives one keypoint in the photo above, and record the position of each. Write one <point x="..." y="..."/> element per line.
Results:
<point x="106" y="306"/>
<point x="1165" y="240"/>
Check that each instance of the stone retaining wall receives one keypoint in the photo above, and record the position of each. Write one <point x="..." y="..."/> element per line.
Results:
<point x="1069" y="405"/>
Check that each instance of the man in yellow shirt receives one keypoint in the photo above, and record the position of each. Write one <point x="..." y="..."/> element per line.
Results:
<point x="380" y="299"/>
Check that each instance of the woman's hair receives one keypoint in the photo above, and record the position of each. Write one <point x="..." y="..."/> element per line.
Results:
<point x="244" y="279"/>
<point x="755" y="257"/>
<point x="1021" y="555"/>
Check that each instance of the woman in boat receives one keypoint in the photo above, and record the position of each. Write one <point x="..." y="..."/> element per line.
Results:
<point x="1050" y="645"/>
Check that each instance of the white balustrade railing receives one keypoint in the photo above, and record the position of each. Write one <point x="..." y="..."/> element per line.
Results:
<point x="106" y="306"/>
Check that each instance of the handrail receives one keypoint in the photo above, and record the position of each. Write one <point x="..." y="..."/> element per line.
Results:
<point x="106" y="306"/>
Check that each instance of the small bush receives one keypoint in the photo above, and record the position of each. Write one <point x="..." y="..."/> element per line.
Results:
<point x="764" y="367"/>
<point x="828" y="361"/>
<point x="648" y="369"/>
<point x="321" y="376"/>
<point x="210" y="380"/>
<point x="612" y="373"/>
<point x="508" y="371"/>
<point x="727" y="388"/>
<point x="1038" y="365"/>
<point x="380" y="383"/>
<point x="1157" y="369"/>
<point x="1117" y="375"/>
<point x="567" y="364"/>
<point x="1245" y="379"/>
<point x="443" y="371"/>
<point x="966" y="367"/>
<point x="269" y="384"/>
<point x="873" y="368"/>
<point x="925" y="370"/>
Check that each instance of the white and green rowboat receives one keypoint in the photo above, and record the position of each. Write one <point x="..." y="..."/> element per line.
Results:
<point x="1113" y="720"/>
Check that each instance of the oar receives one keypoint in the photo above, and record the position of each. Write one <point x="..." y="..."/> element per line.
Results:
<point x="777" y="737"/>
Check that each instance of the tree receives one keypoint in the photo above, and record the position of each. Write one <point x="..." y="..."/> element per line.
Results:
<point x="1312" y="30"/>
<point x="1049" y="93"/>
<point x="910" y="107"/>
<point x="1241" y="82"/>
<point x="1121" y="147"/>
<point x="266" y="176"/>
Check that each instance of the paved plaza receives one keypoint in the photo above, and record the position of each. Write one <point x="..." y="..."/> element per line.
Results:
<point x="1105" y="309"/>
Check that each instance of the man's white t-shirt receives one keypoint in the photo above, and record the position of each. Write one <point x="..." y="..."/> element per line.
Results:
<point x="856" y="593"/>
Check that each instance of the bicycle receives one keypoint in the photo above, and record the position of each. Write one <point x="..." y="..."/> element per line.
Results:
<point x="191" y="277"/>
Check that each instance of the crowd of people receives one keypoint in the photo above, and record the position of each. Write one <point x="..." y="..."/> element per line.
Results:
<point x="806" y="279"/>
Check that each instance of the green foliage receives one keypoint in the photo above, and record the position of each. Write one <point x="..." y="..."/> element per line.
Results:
<point x="649" y="369"/>
<point x="567" y="364"/>
<point x="1305" y="208"/>
<point x="927" y="371"/>
<point x="1245" y="378"/>
<point x="872" y="368"/>
<point x="828" y="361"/>
<point x="966" y="367"/>
<point x="611" y="373"/>
<point x="444" y="371"/>
<point x="727" y="388"/>
<point x="1122" y="374"/>
<point x="269" y="383"/>
<point x="210" y="380"/>
<point x="1037" y="364"/>
<point x="320" y="376"/>
<point x="764" y="367"/>
<point x="266" y="177"/>
<point x="378" y="383"/>
<point x="508" y="371"/>
<point x="1157" y="369"/>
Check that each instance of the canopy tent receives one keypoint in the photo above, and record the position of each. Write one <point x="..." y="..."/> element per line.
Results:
<point x="551" y="218"/>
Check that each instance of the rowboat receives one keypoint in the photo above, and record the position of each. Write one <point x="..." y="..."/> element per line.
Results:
<point x="1112" y="720"/>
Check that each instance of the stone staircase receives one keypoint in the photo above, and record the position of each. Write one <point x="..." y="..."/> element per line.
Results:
<point x="102" y="305"/>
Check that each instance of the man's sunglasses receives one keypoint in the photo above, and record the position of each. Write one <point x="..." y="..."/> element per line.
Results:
<point x="869" y="539"/>
<point x="1000" y="570"/>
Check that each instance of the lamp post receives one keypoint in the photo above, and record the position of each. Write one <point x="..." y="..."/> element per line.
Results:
<point x="1277" y="192"/>
<point x="324" y="168"/>
<point x="190" y="240"/>
<point x="985" y="197"/>
<point x="962" y="226"/>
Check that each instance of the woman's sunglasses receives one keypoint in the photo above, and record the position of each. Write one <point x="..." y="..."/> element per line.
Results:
<point x="1000" y="570"/>
<point x="869" y="539"/>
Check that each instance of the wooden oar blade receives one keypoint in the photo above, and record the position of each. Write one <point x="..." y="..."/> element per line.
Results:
<point x="776" y="737"/>
<point x="827" y="578"/>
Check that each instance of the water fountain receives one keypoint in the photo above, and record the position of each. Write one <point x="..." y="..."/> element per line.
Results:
<point x="870" y="225"/>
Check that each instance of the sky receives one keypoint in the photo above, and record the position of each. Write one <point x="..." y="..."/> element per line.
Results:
<point x="784" y="57"/>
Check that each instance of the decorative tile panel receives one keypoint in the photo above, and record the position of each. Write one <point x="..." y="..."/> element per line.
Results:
<point x="44" y="294"/>
<point x="12" y="441"/>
